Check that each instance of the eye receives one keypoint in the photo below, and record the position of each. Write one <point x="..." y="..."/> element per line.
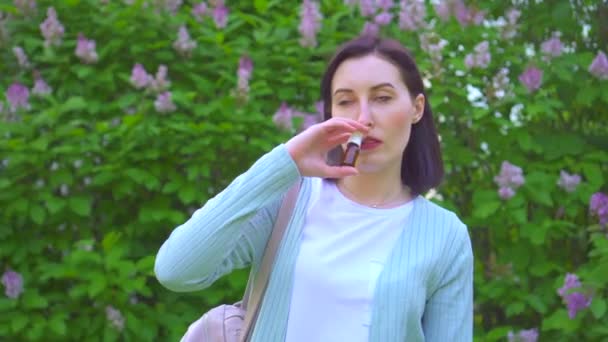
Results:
<point x="383" y="98"/>
<point x="344" y="102"/>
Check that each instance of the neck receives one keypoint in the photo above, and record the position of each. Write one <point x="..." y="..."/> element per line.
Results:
<point x="375" y="190"/>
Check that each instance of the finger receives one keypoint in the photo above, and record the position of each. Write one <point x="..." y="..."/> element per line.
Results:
<point x="340" y="126"/>
<point x="339" y="139"/>
<point x="339" y="171"/>
<point x="355" y="124"/>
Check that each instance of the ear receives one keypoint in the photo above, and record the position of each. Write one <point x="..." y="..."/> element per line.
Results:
<point x="419" y="102"/>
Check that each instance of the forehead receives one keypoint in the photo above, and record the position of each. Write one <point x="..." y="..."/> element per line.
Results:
<point x="365" y="72"/>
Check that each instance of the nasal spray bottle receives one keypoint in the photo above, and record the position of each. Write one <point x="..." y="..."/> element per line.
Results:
<point x="353" y="146"/>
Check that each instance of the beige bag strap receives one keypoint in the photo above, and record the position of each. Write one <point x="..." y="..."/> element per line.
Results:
<point x="255" y="290"/>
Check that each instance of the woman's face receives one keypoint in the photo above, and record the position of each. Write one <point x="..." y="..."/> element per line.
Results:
<point x="370" y="89"/>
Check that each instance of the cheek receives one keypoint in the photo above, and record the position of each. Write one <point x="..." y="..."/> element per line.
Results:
<point x="398" y="120"/>
<point x="343" y="112"/>
<point x="399" y="124"/>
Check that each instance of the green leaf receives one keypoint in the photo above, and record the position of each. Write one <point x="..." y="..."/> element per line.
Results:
<point x="40" y="144"/>
<point x="37" y="214"/>
<point x="73" y="103"/>
<point x="560" y="321"/>
<point x="110" y="240"/>
<point x="7" y="303"/>
<point x="55" y="204"/>
<point x="81" y="205"/>
<point x="537" y="303"/>
<point x="541" y="268"/>
<point x="18" y="322"/>
<point x="515" y="309"/>
<point x="5" y="183"/>
<point x="58" y="325"/>
<point x="97" y="285"/>
<point x="33" y="300"/>
<point x="188" y="194"/>
<point x="146" y="263"/>
<point x="485" y="209"/>
<point x="261" y="6"/>
<point x="593" y="173"/>
<point x="598" y="307"/>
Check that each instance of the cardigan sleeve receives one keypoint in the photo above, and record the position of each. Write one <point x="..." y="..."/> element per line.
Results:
<point x="448" y="313"/>
<point x="231" y="230"/>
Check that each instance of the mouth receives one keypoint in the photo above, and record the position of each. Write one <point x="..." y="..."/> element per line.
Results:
<point x="370" y="143"/>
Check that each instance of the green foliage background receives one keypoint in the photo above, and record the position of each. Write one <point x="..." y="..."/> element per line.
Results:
<point x="134" y="174"/>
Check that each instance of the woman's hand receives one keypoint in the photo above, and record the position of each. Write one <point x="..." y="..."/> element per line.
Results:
<point x="309" y="148"/>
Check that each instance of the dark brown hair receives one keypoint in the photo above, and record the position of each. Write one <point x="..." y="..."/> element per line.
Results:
<point x="422" y="167"/>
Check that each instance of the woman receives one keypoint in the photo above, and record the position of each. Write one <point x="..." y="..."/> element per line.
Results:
<point x="365" y="256"/>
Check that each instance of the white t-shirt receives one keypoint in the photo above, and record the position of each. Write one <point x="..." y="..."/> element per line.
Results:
<point x="343" y="250"/>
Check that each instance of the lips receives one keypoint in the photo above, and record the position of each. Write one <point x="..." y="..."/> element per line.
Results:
<point x="370" y="143"/>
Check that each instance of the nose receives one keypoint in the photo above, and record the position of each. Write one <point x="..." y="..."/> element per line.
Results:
<point x="365" y="115"/>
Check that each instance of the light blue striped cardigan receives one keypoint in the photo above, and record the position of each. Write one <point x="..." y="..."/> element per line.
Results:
<point x="425" y="292"/>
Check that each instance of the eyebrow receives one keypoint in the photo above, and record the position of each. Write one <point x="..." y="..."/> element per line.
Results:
<point x="377" y="86"/>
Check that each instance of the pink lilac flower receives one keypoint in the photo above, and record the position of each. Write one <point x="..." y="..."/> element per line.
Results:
<point x="383" y="18"/>
<point x="530" y="335"/>
<point x="85" y="50"/>
<point x="480" y="58"/>
<point x="13" y="284"/>
<point x="467" y="15"/>
<point x="310" y="23"/>
<point x="509" y="31"/>
<point x="508" y="180"/>
<point x="163" y="103"/>
<point x="531" y="78"/>
<point x="160" y="82"/>
<point x="184" y="44"/>
<point x="501" y="84"/>
<point x="115" y="317"/>
<point x="599" y="66"/>
<point x="567" y="181"/>
<point x="245" y="67"/>
<point x="309" y="120"/>
<point x="506" y="192"/>
<point x="433" y="45"/>
<point x="552" y="47"/>
<point x="367" y="7"/>
<point x="17" y="95"/>
<point x="22" y="59"/>
<point x="173" y="5"/>
<point x="412" y="14"/>
<point x="598" y="206"/>
<point x="320" y="107"/>
<point x="25" y="5"/>
<point x="200" y="11"/>
<point x="41" y="88"/>
<point x="442" y="8"/>
<point x="576" y="302"/>
<point x="571" y="281"/>
<point x="244" y="74"/>
<point x="370" y="29"/>
<point x="220" y="14"/>
<point x="139" y="77"/>
<point x="283" y="117"/>
<point x="51" y="29"/>
<point x="385" y="4"/>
